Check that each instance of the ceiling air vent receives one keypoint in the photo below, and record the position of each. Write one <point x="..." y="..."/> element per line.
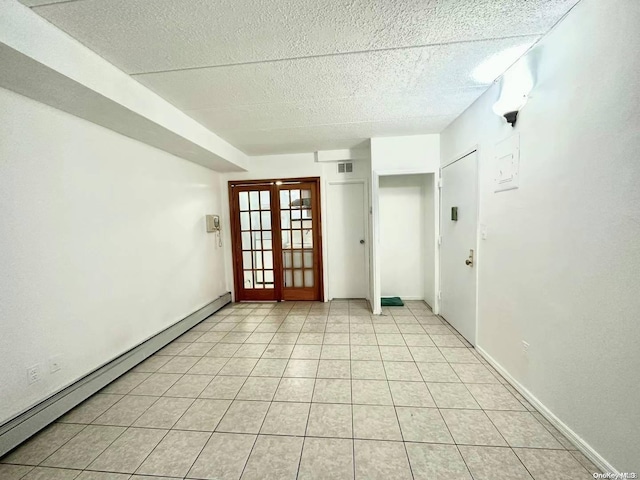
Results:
<point x="345" y="167"/>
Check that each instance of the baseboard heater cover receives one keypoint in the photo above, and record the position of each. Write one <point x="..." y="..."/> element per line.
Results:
<point x="30" y="422"/>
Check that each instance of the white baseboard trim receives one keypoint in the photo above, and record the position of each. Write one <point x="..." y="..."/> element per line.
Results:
<point x="23" y="426"/>
<point x="597" y="459"/>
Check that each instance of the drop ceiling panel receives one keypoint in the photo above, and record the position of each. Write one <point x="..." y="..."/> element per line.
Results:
<point x="292" y="80"/>
<point x="413" y="71"/>
<point x="323" y="137"/>
<point x="145" y="36"/>
<point x="276" y="76"/>
<point x="335" y="110"/>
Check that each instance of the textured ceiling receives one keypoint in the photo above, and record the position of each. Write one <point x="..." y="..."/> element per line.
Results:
<point x="276" y="76"/>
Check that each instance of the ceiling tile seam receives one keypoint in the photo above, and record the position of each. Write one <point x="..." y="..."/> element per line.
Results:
<point x="326" y="55"/>
<point x="533" y="45"/>
<point x="413" y="117"/>
<point x="305" y="100"/>
<point x="54" y="3"/>
<point x="554" y="26"/>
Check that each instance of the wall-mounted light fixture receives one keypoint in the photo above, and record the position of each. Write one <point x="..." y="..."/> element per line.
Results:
<point x="512" y="71"/>
<point x="515" y="86"/>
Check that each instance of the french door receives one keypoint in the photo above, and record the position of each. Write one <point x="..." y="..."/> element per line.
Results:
<point x="276" y="234"/>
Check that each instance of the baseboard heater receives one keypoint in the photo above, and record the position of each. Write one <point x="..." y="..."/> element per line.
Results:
<point x="30" y="422"/>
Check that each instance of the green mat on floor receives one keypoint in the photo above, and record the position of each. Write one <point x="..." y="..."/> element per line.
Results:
<point x="392" y="302"/>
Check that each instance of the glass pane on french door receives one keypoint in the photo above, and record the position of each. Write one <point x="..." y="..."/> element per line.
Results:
<point x="254" y="247"/>
<point x="298" y="228"/>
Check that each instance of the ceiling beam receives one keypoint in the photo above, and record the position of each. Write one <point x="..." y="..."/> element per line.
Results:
<point x="44" y="63"/>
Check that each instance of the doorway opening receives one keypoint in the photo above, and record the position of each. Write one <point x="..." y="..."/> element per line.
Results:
<point x="407" y="238"/>
<point x="276" y="239"/>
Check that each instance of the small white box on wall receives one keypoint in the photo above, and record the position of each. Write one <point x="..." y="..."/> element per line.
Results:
<point x="507" y="164"/>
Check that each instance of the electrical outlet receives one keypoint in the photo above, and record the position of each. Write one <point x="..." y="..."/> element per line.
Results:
<point x="525" y="348"/>
<point x="55" y="363"/>
<point x="33" y="374"/>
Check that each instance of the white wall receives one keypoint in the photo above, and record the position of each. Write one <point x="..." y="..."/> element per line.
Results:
<point x="403" y="235"/>
<point x="560" y="265"/>
<point x="408" y="154"/>
<point x="102" y="245"/>
<point x="293" y="166"/>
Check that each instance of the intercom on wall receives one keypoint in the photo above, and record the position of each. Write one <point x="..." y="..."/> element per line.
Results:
<point x="213" y="223"/>
<point x="213" y="226"/>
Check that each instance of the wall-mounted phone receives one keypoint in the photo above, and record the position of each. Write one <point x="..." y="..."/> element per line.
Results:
<point x="213" y="226"/>
<point x="213" y="223"/>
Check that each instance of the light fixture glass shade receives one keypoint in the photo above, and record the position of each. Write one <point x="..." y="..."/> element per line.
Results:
<point x="494" y="66"/>
<point x="516" y="84"/>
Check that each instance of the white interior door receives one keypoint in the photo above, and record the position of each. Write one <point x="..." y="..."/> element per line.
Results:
<point x="346" y="246"/>
<point x="459" y="198"/>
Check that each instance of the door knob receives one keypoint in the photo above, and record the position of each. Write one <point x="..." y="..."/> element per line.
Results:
<point x="361" y="242"/>
<point x="469" y="261"/>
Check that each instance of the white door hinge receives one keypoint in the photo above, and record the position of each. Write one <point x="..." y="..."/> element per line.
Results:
<point x="439" y="240"/>
<point x="440" y="295"/>
<point x="440" y="182"/>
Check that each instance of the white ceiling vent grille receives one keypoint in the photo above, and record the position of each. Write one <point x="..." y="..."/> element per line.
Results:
<point x="345" y="167"/>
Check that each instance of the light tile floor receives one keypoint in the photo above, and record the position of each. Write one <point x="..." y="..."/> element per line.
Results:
<point x="310" y="391"/>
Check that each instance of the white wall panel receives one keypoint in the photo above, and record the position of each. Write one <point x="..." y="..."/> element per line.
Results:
<point x="102" y="245"/>
<point x="559" y="266"/>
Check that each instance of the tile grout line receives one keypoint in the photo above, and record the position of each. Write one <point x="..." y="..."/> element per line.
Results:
<point x="102" y="425"/>
<point x="226" y="410"/>
<point x="508" y="445"/>
<point x="222" y="417"/>
<point x="443" y="420"/>
<point x="395" y="411"/>
<point x="181" y="416"/>
<point x="263" y="419"/>
<point x="353" y="429"/>
<point x="145" y="458"/>
<point x="103" y="450"/>
<point x="304" y="437"/>
<point x="40" y="463"/>
<point x="447" y="425"/>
